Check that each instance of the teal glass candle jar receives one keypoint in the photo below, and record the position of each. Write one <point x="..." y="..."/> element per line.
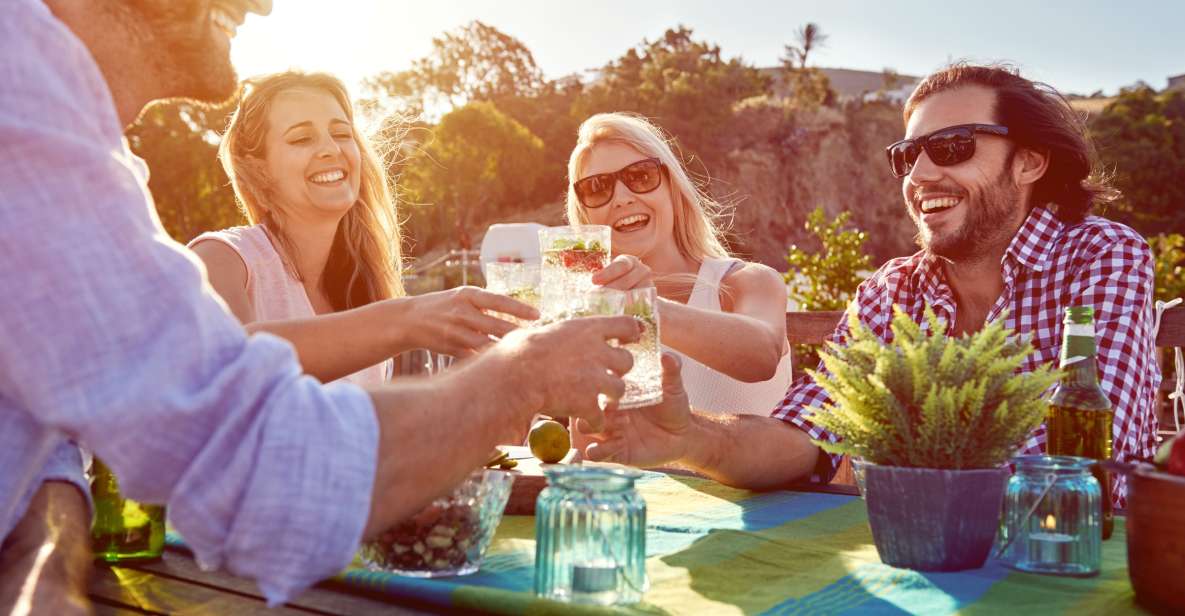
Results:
<point x="1052" y="519"/>
<point x="590" y="536"/>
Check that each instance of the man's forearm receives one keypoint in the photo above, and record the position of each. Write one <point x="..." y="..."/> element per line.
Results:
<point x="434" y="432"/>
<point x="45" y="561"/>
<point x="749" y="451"/>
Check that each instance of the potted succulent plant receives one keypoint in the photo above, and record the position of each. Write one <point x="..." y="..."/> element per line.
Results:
<point x="935" y="418"/>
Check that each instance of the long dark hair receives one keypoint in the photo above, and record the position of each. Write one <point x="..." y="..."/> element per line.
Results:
<point x="1040" y="118"/>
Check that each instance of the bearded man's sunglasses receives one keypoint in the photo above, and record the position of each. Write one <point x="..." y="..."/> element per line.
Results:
<point x="947" y="146"/>
<point x="641" y="177"/>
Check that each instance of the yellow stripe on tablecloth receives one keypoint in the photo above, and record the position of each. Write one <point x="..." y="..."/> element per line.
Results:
<point x="678" y="495"/>
<point x="732" y="570"/>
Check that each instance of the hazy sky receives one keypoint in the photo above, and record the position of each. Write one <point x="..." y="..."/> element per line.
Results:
<point x="1077" y="46"/>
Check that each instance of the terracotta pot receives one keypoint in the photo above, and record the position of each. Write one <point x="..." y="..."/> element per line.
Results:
<point x="934" y="519"/>
<point x="1156" y="539"/>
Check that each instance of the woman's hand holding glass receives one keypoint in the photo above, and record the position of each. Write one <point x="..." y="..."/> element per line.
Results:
<point x="624" y="272"/>
<point x="460" y="322"/>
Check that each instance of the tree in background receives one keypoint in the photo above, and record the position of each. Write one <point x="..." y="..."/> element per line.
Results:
<point x="1141" y="136"/>
<point x="179" y="141"/>
<point x="479" y="162"/>
<point x="549" y="116"/>
<point x="808" y="38"/>
<point x="474" y="63"/>
<point x="684" y="85"/>
<point x="1169" y="251"/>
<point x="809" y="87"/>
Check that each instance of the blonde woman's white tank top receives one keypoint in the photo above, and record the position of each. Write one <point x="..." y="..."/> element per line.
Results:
<point x="714" y="392"/>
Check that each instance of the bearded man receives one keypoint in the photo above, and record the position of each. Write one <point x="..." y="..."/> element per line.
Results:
<point x="997" y="173"/>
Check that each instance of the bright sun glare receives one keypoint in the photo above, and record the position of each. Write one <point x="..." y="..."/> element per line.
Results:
<point x="352" y="40"/>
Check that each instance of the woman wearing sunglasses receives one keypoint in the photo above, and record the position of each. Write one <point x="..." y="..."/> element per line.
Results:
<point x="724" y="317"/>
<point x="320" y="263"/>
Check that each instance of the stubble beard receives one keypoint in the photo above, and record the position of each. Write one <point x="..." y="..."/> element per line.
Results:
<point x="183" y="55"/>
<point x="987" y="224"/>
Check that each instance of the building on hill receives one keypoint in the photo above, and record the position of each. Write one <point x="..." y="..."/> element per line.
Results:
<point x="852" y="84"/>
<point x="1177" y="82"/>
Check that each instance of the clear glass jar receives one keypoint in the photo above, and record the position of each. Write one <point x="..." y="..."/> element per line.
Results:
<point x="590" y="532"/>
<point x="1052" y="519"/>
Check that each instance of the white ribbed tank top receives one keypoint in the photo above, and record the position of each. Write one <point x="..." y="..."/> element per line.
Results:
<point x="714" y="392"/>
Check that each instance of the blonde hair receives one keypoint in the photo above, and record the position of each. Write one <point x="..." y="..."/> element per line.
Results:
<point x="696" y="226"/>
<point x="365" y="262"/>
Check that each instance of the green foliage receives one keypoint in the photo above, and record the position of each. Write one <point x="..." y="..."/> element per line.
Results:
<point x="1169" y="251"/>
<point x="1141" y="137"/>
<point x="928" y="400"/>
<point x="827" y="280"/>
<point x="479" y="162"/>
<point x="179" y="141"/>
<point x="548" y="115"/>
<point x="683" y="83"/>
<point x="474" y="63"/>
<point x="808" y="88"/>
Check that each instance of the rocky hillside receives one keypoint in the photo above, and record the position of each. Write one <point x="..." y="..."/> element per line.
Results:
<point x="785" y="166"/>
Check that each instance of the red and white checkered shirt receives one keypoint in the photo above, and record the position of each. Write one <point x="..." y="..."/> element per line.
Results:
<point x="1047" y="267"/>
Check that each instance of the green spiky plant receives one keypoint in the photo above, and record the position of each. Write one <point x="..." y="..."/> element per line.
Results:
<point x="930" y="401"/>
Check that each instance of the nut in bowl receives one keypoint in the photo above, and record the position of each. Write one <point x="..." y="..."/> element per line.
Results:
<point x="449" y="536"/>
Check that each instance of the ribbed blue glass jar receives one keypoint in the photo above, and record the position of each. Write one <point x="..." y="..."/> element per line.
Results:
<point x="590" y="536"/>
<point x="1052" y="519"/>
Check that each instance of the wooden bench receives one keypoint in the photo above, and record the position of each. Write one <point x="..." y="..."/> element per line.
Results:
<point x="815" y="327"/>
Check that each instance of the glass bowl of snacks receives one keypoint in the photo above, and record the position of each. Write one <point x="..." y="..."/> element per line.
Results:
<point x="449" y="536"/>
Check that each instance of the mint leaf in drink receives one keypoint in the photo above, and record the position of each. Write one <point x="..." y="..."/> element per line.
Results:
<point x="567" y="244"/>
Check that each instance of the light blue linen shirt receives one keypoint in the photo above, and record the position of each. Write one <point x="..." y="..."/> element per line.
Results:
<point x="112" y="338"/>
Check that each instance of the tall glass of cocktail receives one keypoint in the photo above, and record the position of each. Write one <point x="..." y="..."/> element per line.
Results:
<point x="571" y="255"/>
<point x="516" y="280"/>
<point x="643" y="383"/>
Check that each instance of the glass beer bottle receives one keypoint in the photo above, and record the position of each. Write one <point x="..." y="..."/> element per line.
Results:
<point x="1080" y="415"/>
<point x="124" y="530"/>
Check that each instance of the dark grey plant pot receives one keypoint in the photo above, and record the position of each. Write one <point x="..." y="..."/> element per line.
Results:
<point x="933" y="519"/>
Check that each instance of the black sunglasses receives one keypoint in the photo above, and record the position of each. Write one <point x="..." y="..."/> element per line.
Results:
<point x="641" y="177"/>
<point x="947" y="146"/>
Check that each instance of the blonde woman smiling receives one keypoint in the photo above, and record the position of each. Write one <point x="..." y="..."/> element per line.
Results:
<point x="724" y="317"/>
<point x="320" y="263"/>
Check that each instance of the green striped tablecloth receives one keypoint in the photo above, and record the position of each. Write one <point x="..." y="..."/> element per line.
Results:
<point x="717" y="550"/>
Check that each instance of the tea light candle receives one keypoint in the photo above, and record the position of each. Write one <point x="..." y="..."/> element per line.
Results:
<point x="1049" y="546"/>
<point x="595" y="576"/>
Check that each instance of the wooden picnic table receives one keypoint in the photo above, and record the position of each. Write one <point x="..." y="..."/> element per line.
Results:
<point x="175" y="585"/>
